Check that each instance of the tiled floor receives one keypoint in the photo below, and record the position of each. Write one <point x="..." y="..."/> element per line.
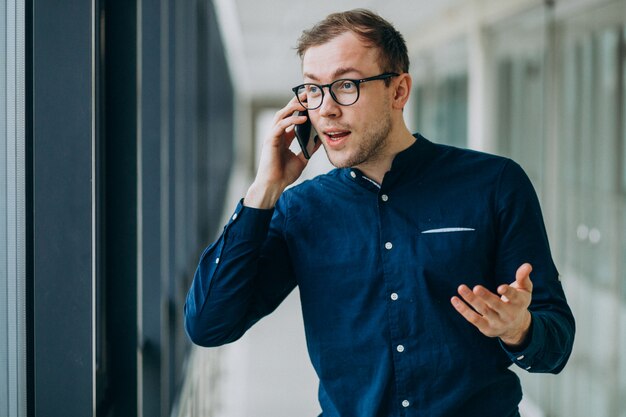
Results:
<point x="267" y="373"/>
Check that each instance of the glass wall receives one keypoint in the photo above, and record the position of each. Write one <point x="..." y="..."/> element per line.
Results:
<point x="520" y="126"/>
<point x="116" y="132"/>
<point x="164" y="140"/>
<point x="441" y="110"/>
<point x="592" y="206"/>
<point x="440" y="94"/>
<point x="520" y="66"/>
<point x="560" y="113"/>
<point x="12" y="209"/>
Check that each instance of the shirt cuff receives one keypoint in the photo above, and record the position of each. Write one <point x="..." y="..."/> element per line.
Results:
<point x="525" y="355"/>
<point x="249" y="222"/>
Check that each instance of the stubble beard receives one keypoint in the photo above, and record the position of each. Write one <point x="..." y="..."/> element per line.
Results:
<point x="369" y="147"/>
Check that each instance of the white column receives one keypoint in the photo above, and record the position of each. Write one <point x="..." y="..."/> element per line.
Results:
<point x="480" y="109"/>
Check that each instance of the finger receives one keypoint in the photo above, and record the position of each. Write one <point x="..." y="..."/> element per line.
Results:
<point x="493" y="301"/>
<point x="292" y="127"/>
<point x="286" y="125"/>
<point x="499" y="307"/>
<point x="522" y="277"/>
<point x="292" y="106"/>
<point x="475" y="301"/>
<point x="507" y="293"/>
<point x="510" y="294"/>
<point x="469" y="314"/>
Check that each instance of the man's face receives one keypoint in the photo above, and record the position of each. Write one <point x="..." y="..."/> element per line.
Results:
<point x="356" y="134"/>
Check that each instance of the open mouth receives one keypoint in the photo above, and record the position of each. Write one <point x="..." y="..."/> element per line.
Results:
<point x="334" y="137"/>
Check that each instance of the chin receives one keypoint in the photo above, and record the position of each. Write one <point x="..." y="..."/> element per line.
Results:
<point x="339" y="159"/>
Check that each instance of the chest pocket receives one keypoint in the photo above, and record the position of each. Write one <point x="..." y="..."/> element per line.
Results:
<point x="452" y="255"/>
<point x="452" y="249"/>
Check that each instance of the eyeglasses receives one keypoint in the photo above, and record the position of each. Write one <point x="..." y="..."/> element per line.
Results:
<point x="344" y="91"/>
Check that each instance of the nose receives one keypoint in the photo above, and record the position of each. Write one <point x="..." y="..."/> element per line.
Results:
<point x="329" y="107"/>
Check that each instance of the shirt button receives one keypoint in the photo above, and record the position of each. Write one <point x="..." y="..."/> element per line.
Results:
<point x="405" y="403"/>
<point x="400" y="348"/>
<point x="384" y="197"/>
<point x="394" y="296"/>
<point x="235" y="216"/>
<point x="217" y="260"/>
<point x="519" y="358"/>
<point x="353" y="174"/>
<point x="388" y="245"/>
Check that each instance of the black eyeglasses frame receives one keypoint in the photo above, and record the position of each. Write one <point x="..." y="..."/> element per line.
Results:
<point x="356" y="82"/>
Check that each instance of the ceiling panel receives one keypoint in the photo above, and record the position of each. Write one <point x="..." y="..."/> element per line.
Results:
<point x="270" y="29"/>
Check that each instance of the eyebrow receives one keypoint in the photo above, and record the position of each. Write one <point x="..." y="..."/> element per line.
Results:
<point x="338" y="72"/>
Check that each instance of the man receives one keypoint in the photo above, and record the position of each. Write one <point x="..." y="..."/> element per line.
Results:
<point x="403" y="254"/>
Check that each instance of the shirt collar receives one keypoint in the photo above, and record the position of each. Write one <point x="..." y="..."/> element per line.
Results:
<point x="413" y="157"/>
<point x="410" y="160"/>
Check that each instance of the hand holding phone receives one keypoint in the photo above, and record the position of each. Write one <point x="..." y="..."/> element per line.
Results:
<point x="306" y="135"/>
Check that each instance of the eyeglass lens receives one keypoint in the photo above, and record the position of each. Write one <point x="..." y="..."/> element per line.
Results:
<point x="345" y="92"/>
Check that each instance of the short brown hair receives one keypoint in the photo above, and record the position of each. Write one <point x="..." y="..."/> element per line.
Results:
<point x="370" y="27"/>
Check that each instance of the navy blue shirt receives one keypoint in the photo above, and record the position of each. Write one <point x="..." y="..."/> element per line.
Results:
<point x="376" y="267"/>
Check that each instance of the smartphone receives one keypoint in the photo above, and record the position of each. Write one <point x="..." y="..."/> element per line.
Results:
<point x="306" y="135"/>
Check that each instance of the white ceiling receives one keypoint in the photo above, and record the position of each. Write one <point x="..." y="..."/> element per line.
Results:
<point x="260" y="35"/>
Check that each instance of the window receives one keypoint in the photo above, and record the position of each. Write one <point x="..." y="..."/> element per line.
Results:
<point x="12" y="209"/>
<point x="560" y="113"/>
<point x="520" y="74"/>
<point x="441" y="110"/>
<point x="440" y="96"/>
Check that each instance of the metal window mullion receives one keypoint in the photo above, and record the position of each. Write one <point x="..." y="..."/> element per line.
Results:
<point x="15" y="205"/>
<point x="11" y="235"/>
<point x="20" y="134"/>
<point x="4" y="341"/>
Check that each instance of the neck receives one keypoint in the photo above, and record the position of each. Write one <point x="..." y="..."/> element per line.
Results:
<point x="396" y="143"/>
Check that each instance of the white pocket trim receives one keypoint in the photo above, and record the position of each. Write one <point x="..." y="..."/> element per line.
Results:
<point x="450" y="229"/>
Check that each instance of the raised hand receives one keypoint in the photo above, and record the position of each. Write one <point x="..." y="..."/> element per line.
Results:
<point x="504" y="315"/>
<point x="279" y="166"/>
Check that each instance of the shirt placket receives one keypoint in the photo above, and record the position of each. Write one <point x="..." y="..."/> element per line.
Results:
<point x="396" y="297"/>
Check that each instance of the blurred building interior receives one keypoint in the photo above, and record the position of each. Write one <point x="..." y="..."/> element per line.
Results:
<point x="129" y="129"/>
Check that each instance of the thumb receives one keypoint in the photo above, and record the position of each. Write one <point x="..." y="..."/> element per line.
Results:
<point x="522" y="277"/>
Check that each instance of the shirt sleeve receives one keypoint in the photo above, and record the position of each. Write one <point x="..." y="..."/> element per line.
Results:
<point x="522" y="238"/>
<point x="240" y="278"/>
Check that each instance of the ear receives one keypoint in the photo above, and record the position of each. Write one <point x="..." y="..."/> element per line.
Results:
<point x="401" y="90"/>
